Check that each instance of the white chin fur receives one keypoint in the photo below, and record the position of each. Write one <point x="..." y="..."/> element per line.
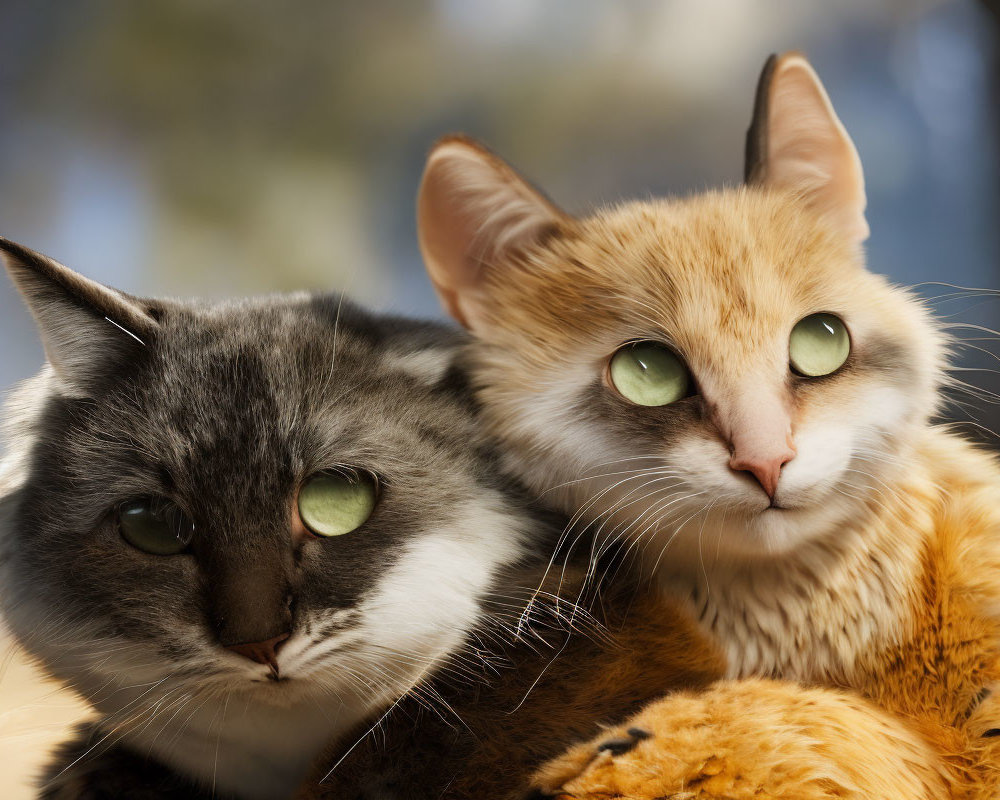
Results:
<point x="841" y="463"/>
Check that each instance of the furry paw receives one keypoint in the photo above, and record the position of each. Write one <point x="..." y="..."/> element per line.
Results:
<point x="750" y="739"/>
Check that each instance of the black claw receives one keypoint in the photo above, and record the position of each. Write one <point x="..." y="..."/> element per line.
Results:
<point x="992" y="732"/>
<point x="617" y="747"/>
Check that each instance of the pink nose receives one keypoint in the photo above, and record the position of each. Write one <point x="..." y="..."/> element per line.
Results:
<point x="262" y="652"/>
<point x="766" y="468"/>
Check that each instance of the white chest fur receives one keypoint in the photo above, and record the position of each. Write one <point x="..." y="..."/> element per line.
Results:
<point x="249" y="749"/>
<point x="809" y="616"/>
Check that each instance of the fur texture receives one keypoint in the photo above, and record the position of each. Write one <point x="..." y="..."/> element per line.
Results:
<point x="870" y="561"/>
<point x="556" y="674"/>
<point x="225" y="410"/>
<point x="799" y="745"/>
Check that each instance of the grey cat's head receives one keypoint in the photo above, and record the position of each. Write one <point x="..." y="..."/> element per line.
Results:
<point x="198" y="430"/>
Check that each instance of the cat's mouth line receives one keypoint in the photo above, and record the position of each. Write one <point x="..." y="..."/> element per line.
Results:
<point x="783" y="506"/>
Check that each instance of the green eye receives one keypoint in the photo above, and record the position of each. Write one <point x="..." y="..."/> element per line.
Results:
<point x="333" y="503"/>
<point x="155" y="526"/>
<point x="649" y="374"/>
<point x="818" y="345"/>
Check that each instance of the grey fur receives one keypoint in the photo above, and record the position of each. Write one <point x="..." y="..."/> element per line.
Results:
<point x="225" y="409"/>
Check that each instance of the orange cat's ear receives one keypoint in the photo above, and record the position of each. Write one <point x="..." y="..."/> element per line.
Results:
<point x="796" y="142"/>
<point x="473" y="210"/>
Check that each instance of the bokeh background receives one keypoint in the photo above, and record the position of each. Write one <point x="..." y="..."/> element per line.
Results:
<point x="181" y="147"/>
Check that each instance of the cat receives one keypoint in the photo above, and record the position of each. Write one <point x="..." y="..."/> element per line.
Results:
<point x="718" y="381"/>
<point x="239" y="529"/>
<point x="178" y="462"/>
<point x="244" y="530"/>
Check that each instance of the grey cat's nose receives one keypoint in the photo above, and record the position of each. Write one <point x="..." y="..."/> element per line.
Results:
<point x="265" y="652"/>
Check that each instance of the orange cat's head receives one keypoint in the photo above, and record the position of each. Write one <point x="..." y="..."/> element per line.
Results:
<point x="719" y="371"/>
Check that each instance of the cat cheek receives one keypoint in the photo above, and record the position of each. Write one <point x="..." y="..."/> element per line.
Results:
<point x="824" y="453"/>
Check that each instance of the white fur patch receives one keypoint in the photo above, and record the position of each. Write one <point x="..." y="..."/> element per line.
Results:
<point x="21" y="410"/>
<point x="428" y="366"/>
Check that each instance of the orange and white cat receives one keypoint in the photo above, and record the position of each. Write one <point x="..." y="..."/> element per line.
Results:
<point x="719" y="383"/>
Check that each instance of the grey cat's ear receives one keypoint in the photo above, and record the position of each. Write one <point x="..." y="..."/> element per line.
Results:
<point x="797" y="143"/>
<point x="87" y="329"/>
<point x="473" y="210"/>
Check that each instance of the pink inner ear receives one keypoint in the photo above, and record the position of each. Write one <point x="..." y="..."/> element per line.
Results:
<point x="447" y="229"/>
<point x="809" y="151"/>
<point x="472" y="212"/>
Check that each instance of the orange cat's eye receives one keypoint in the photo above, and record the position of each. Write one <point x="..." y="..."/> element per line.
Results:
<point x="818" y="345"/>
<point x="649" y="374"/>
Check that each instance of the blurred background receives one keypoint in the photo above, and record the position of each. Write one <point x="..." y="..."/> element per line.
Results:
<point x="179" y="147"/>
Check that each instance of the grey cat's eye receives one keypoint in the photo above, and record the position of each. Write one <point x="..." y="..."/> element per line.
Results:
<point x="649" y="374"/>
<point x="335" y="502"/>
<point x="818" y="345"/>
<point x="156" y="526"/>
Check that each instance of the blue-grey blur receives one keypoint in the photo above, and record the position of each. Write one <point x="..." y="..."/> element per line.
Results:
<point x="177" y="147"/>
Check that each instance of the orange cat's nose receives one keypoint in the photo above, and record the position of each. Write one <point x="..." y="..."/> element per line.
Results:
<point x="757" y="426"/>
<point x="765" y="468"/>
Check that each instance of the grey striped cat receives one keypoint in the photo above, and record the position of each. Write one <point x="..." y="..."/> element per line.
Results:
<point x="239" y="529"/>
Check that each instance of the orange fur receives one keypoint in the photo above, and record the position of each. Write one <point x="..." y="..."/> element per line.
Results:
<point x="931" y="679"/>
<point x="754" y="739"/>
<point x="937" y="526"/>
<point x="883" y="581"/>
